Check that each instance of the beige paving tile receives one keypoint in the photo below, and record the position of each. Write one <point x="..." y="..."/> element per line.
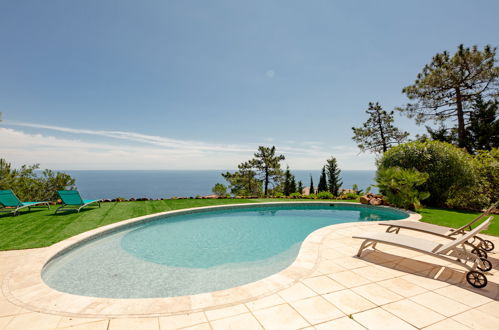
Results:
<point x="349" y="279"/>
<point x="5" y="320"/>
<point x="413" y="313"/>
<point x="7" y="308"/>
<point x="341" y="323"/>
<point x="491" y="308"/>
<point x="134" y="323"/>
<point x="26" y="321"/>
<point x="181" y="321"/>
<point x="377" y="294"/>
<point x="446" y="325"/>
<point x="350" y="262"/>
<point x="462" y="295"/>
<point x="280" y="317"/>
<point x="348" y="301"/>
<point x="476" y="319"/>
<point x="328" y="267"/>
<point x="440" y="304"/>
<point x="296" y="292"/>
<point x="269" y="301"/>
<point x="220" y="313"/>
<point x="378" y="318"/>
<point x="242" y="322"/>
<point x="373" y="273"/>
<point x="66" y="322"/>
<point x="202" y="326"/>
<point x="96" y="325"/>
<point x="425" y="282"/>
<point x="316" y="310"/>
<point x="402" y="287"/>
<point x="322" y="284"/>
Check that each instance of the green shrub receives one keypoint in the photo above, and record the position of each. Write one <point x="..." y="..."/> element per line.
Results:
<point x="325" y="195"/>
<point x="279" y="195"/>
<point x="295" y="195"/>
<point x="219" y="189"/>
<point x="349" y="195"/>
<point x="399" y="186"/>
<point x="451" y="170"/>
<point x="30" y="185"/>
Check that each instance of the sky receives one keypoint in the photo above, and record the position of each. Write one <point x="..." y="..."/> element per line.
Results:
<point x="101" y="84"/>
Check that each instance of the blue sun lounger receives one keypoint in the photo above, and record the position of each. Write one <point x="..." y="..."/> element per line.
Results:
<point x="71" y="200"/>
<point x="11" y="204"/>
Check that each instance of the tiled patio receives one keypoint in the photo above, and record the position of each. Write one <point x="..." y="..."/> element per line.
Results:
<point x="390" y="288"/>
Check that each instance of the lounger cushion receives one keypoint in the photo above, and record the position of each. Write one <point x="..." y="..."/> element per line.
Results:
<point x="405" y="241"/>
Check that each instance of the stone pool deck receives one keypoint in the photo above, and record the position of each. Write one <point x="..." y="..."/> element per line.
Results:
<point x="327" y="288"/>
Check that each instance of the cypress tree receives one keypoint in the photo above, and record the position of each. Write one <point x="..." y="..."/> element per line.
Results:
<point x="292" y="185"/>
<point x="299" y="187"/>
<point x="333" y="176"/>
<point x="312" y="190"/>
<point x="322" y="182"/>
<point x="287" y="189"/>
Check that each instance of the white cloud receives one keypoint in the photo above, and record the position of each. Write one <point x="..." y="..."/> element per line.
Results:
<point x="270" y="73"/>
<point x="119" y="150"/>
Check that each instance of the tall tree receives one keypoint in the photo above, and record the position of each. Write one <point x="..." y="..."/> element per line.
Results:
<point x="483" y="128"/>
<point x="312" y="189"/>
<point x="446" y="88"/>
<point x="244" y="182"/>
<point x="289" y="185"/>
<point x="322" y="181"/>
<point x="268" y="164"/>
<point x="333" y="176"/>
<point x="299" y="187"/>
<point x="378" y="134"/>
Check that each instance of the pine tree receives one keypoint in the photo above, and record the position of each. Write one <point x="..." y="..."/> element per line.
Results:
<point x="446" y="88"/>
<point x="292" y="185"/>
<point x="288" y="183"/>
<point x="378" y="134"/>
<point x="322" y="181"/>
<point x="333" y="176"/>
<point x="268" y="164"/>
<point x="312" y="189"/>
<point x="483" y="128"/>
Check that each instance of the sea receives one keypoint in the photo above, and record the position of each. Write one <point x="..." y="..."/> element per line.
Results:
<point x="156" y="184"/>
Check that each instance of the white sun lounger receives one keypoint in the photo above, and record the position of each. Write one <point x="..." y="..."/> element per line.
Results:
<point x="455" y="251"/>
<point x="447" y="232"/>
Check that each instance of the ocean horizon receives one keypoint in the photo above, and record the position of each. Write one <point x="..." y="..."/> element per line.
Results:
<point x="155" y="184"/>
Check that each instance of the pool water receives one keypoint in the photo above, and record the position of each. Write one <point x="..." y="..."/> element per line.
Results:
<point x="198" y="252"/>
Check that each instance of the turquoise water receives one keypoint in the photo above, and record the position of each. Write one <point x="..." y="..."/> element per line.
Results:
<point x="198" y="252"/>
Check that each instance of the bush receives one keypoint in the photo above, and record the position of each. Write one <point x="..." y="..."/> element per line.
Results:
<point x="295" y="195"/>
<point x="451" y="170"/>
<point x="349" y="196"/>
<point x="29" y="185"/>
<point x="325" y="195"/>
<point x="219" y="189"/>
<point x="398" y="185"/>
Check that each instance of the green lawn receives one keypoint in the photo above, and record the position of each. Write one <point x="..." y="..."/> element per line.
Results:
<point x="455" y="218"/>
<point x="42" y="227"/>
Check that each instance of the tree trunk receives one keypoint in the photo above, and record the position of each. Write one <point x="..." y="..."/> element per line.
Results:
<point x="461" y="130"/>
<point x="266" y="180"/>
<point x="382" y="134"/>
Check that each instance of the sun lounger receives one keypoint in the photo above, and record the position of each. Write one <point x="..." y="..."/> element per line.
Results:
<point x="71" y="200"/>
<point x="446" y="232"/>
<point x="10" y="203"/>
<point x="455" y="251"/>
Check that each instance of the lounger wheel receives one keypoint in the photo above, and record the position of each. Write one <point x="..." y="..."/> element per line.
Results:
<point x="479" y="252"/>
<point x="485" y="265"/>
<point x="487" y="245"/>
<point x="476" y="279"/>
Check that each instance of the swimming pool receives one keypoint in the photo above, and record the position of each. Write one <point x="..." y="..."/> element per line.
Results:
<point x="197" y="251"/>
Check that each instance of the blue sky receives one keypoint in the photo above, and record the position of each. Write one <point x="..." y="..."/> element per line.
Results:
<point x="200" y="84"/>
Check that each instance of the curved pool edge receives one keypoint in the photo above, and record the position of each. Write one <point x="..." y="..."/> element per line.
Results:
<point x="25" y="287"/>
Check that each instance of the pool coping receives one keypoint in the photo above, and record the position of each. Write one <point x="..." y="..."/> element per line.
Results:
<point x="25" y="287"/>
